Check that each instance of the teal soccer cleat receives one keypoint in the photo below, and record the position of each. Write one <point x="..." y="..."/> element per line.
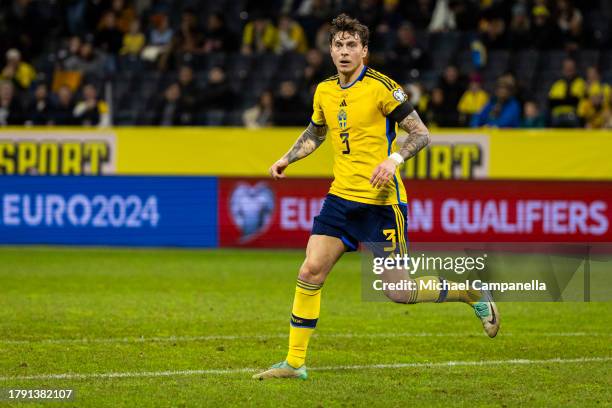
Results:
<point x="486" y="311"/>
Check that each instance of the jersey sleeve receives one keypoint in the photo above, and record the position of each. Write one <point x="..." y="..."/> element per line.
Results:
<point x="393" y="102"/>
<point x="317" y="118"/>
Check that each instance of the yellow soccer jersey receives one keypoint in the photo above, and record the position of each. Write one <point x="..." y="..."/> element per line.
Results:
<point x="361" y="127"/>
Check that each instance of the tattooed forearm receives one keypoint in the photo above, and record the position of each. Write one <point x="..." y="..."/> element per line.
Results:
<point x="418" y="135"/>
<point x="309" y="140"/>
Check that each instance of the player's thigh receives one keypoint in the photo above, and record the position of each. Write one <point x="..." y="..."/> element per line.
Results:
<point x="322" y="253"/>
<point x="389" y="239"/>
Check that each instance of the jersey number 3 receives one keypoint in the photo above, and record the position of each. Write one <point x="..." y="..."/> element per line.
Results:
<point x="345" y="139"/>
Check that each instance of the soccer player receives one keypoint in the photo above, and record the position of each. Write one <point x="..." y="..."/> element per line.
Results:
<point x="358" y="109"/>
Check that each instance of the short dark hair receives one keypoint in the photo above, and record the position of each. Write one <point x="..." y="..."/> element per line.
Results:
<point x="345" y="23"/>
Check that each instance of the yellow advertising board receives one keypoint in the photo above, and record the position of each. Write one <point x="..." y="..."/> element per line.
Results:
<point x="453" y="154"/>
<point x="57" y="152"/>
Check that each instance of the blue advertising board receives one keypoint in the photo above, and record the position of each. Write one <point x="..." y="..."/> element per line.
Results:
<point x="113" y="210"/>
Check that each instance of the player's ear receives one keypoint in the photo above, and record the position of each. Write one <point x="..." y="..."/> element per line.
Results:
<point x="364" y="52"/>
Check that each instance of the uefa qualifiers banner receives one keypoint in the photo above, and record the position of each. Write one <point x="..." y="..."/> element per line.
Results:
<point x="130" y="211"/>
<point x="266" y="213"/>
<point x="551" y="154"/>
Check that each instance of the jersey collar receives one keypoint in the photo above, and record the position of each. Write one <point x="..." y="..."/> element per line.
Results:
<point x="359" y="78"/>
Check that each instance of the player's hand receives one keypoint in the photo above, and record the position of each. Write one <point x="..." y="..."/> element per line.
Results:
<point x="277" y="171"/>
<point x="383" y="173"/>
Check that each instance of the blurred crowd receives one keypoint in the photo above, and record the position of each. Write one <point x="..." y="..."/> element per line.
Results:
<point x="61" y="59"/>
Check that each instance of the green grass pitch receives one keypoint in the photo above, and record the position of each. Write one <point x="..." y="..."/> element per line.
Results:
<point x="137" y="328"/>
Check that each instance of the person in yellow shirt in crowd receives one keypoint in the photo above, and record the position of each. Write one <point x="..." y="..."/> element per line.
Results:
<point x="594" y="86"/>
<point x="91" y="110"/>
<point x="594" y="108"/>
<point x="564" y="96"/>
<point x="594" y="111"/>
<point x="291" y="36"/>
<point x="473" y="99"/>
<point x="20" y="72"/>
<point x="133" y="40"/>
<point x="259" y="36"/>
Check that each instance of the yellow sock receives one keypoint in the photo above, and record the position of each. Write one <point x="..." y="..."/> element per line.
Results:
<point x="427" y="291"/>
<point x="304" y="316"/>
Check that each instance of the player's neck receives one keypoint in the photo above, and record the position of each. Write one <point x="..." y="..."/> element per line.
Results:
<point x="350" y="77"/>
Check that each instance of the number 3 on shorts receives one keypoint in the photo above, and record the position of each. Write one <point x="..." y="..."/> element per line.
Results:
<point x="390" y="235"/>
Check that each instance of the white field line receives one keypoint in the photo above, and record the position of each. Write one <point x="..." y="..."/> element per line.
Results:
<point x="172" y="339"/>
<point x="141" y="374"/>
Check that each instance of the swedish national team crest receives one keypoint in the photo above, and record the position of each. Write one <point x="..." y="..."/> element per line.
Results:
<point x="342" y="119"/>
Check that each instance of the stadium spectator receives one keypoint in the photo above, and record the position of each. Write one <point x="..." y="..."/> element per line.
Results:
<point x="259" y="36"/>
<point x="69" y="51"/>
<point x="569" y="22"/>
<point x="62" y="112"/>
<point x="218" y="94"/>
<point x="493" y="33"/>
<point x="594" y="111"/>
<point x="11" y="112"/>
<point x="189" y="38"/>
<point x="261" y="114"/>
<point x="502" y="111"/>
<point x="564" y="95"/>
<point x="466" y="14"/>
<point x="322" y="38"/>
<point x="161" y="34"/>
<point x="543" y="30"/>
<point x="190" y="92"/>
<point x="94" y="9"/>
<point x="532" y="118"/>
<point x="451" y="84"/>
<point x="473" y="100"/>
<point x="520" y="93"/>
<point x="88" y="61"/>
<point x="390" y="20"/>
<point x="169" y="110"/>
<point x="418" y="12"/>
<point x="312" y="15"/>
<point x="315" y="70"/>
<point x="125" y="15"/>
<point x="367" y="12"/>
<point x="519" y="36"/>
<point x="289" y="109"/>
<point x="133" y="40"/>
<point x="407" y="55"/>
<point x="439" y="113"/>
<point x="291" y="36"/>
<point x="108" y="37"/>
<point x="218" y="38"/>
<point x="91" y="110"/>
<point x="26" y="27"/>
<point x="594" y="85"/>
<point x="16" y="70"/>
<point x="39" y="112"/>
<point x="417" y="95"/>
<point x="443" y="18"/>
<point x="159" y="44"/>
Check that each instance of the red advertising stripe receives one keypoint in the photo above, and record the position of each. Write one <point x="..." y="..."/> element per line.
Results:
<point x="265" y="213"/>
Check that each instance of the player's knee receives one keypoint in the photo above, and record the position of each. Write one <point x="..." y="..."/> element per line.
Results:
<point x="313" y="272"/>
<point x="397" y="296"/>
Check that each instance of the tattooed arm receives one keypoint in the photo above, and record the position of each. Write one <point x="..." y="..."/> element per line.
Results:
<point x="308" y="142"/>
<point x="417" y="139"/>
<point x="418" y="135"/>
